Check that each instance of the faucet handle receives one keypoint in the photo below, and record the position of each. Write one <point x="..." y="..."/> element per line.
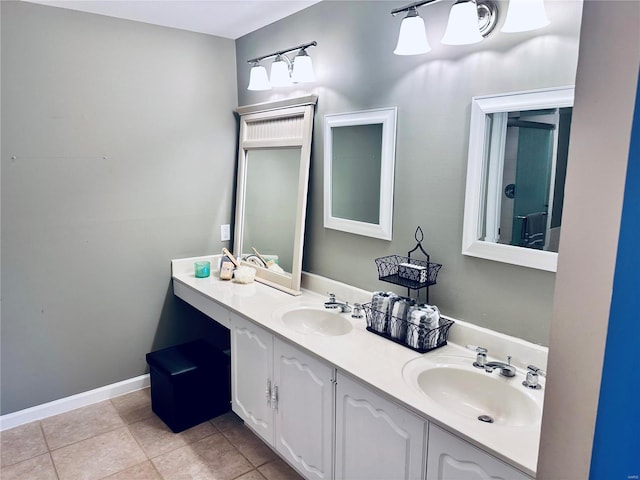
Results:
<point x="357" y="311"/>
<point x="531" y="381"/>
<point x="534" y="369"/>
<point x="477" y="349"/>
<point x="481" y="357"/>
<point x="332" y="296"/>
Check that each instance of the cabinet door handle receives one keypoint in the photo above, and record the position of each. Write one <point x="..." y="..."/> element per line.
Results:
<point x="274" y="397"/>
<point x="267" y="392"/>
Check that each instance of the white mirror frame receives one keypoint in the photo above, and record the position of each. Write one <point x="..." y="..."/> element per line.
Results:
<point x="386" y="117"/>
<point x="284" y="123"/>
<point x="477" y="174"/>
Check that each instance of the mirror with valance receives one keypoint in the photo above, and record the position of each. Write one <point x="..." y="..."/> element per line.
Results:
<point x="271" y="197"/>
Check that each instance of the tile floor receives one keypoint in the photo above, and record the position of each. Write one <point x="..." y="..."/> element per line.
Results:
<point x="122" y="439"/>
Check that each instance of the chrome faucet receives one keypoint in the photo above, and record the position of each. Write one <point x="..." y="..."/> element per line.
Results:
<point x="506" y="369"/>
<point x="332" y="303"/>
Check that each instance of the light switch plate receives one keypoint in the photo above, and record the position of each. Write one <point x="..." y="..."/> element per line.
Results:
<point x="225" y="233"/>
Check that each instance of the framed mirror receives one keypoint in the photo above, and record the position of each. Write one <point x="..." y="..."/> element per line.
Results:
<point x="518" y="149"/>
<point x="271" y="195"/>
<point x="359" y="162"/>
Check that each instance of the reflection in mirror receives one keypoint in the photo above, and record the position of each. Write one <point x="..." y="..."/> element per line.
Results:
<point x="271" y="198"/>
<point x="359" y="159"/>
<point x="518" y="146"/>
<point x="271" y="189"/>
<point x="533" y="174"/>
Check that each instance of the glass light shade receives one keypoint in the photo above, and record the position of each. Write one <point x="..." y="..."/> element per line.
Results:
<point x="258" y="79"/>
<point x="412" y="39"/>
<point x="280" y="73"/>
<point x="525" y="15"/>
<point x="302" y="69"/>
<point x="462" y="28"/>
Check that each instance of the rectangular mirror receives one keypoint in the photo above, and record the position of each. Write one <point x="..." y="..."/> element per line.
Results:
<point x="271" y="197"/>
<point x="359" y="161"/>
<point x="518" y="150"/>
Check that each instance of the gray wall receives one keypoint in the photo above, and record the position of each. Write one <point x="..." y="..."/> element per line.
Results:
<point x="357" y="70"/>
<point x="118" y="155"/>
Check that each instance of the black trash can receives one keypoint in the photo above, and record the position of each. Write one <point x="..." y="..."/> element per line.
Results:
<point x="190" y="383"/>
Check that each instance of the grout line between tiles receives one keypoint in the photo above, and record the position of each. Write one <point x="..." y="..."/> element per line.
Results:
<point x="51" y="450"/>
<point x="254" y="470"/>
<point x="138" y="443"/>
<point x="153" y="465"/>
<point x="46" y="442"/>
<point x="255" y="467"/>
<point x="55" y="469"/>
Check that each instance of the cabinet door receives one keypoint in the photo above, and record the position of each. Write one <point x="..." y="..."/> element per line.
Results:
<point x="304" y="410"/>
<point x="375" y="438"/>
<point x="251" y="382"/>
<point x="451" y="458"/>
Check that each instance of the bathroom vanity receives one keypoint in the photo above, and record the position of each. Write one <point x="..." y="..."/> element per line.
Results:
<point x="337" y="402"/>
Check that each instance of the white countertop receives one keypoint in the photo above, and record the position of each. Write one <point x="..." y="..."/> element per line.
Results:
<point x="373" y="359"/>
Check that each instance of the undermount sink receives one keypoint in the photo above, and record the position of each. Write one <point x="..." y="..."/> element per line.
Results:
<point x="317" y="321"/>
<point x="473" y="393"/>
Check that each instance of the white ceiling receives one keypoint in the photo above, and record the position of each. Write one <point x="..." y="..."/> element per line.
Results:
<point x="223" y="18"/>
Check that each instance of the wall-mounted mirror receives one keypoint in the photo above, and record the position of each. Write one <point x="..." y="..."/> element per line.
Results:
<point x="271" y="199"/>
<point x="359" y="160"/>
<point x="518" y="150"/>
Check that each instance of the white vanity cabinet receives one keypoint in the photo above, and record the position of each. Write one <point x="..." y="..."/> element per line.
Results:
<point x="304" y="410"/>
<point x="252" y="375"/>
<point x="375" y="438"/>
<point x="451" y="458"/>
<point x="285" y="395"/>
<point x="317" y="408"/>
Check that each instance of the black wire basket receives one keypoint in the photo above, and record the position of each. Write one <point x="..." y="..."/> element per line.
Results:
<point x="407" y="272"/>
<point x="416" y="337"/>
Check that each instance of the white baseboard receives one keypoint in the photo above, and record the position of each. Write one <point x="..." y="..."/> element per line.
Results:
<point x="63" y="405"/>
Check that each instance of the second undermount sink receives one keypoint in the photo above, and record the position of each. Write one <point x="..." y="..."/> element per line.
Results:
<point x="317" y="321"/>
<point x="473" y="393"/>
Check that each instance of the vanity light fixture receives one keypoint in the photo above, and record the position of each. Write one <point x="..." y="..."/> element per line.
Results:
<point x="284" y="72"/>
<point x="463" y="27"/>
<point x="525" y="15"/>
<point x="413" y="37"/>
<point x="469" y="22"/>
<point x="280" y="76"/>
<point x="302" y="68"/>
<point x="258" y="79"/>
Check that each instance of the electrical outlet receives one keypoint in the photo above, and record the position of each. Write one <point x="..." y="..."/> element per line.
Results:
<point x="225" y="233"/>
